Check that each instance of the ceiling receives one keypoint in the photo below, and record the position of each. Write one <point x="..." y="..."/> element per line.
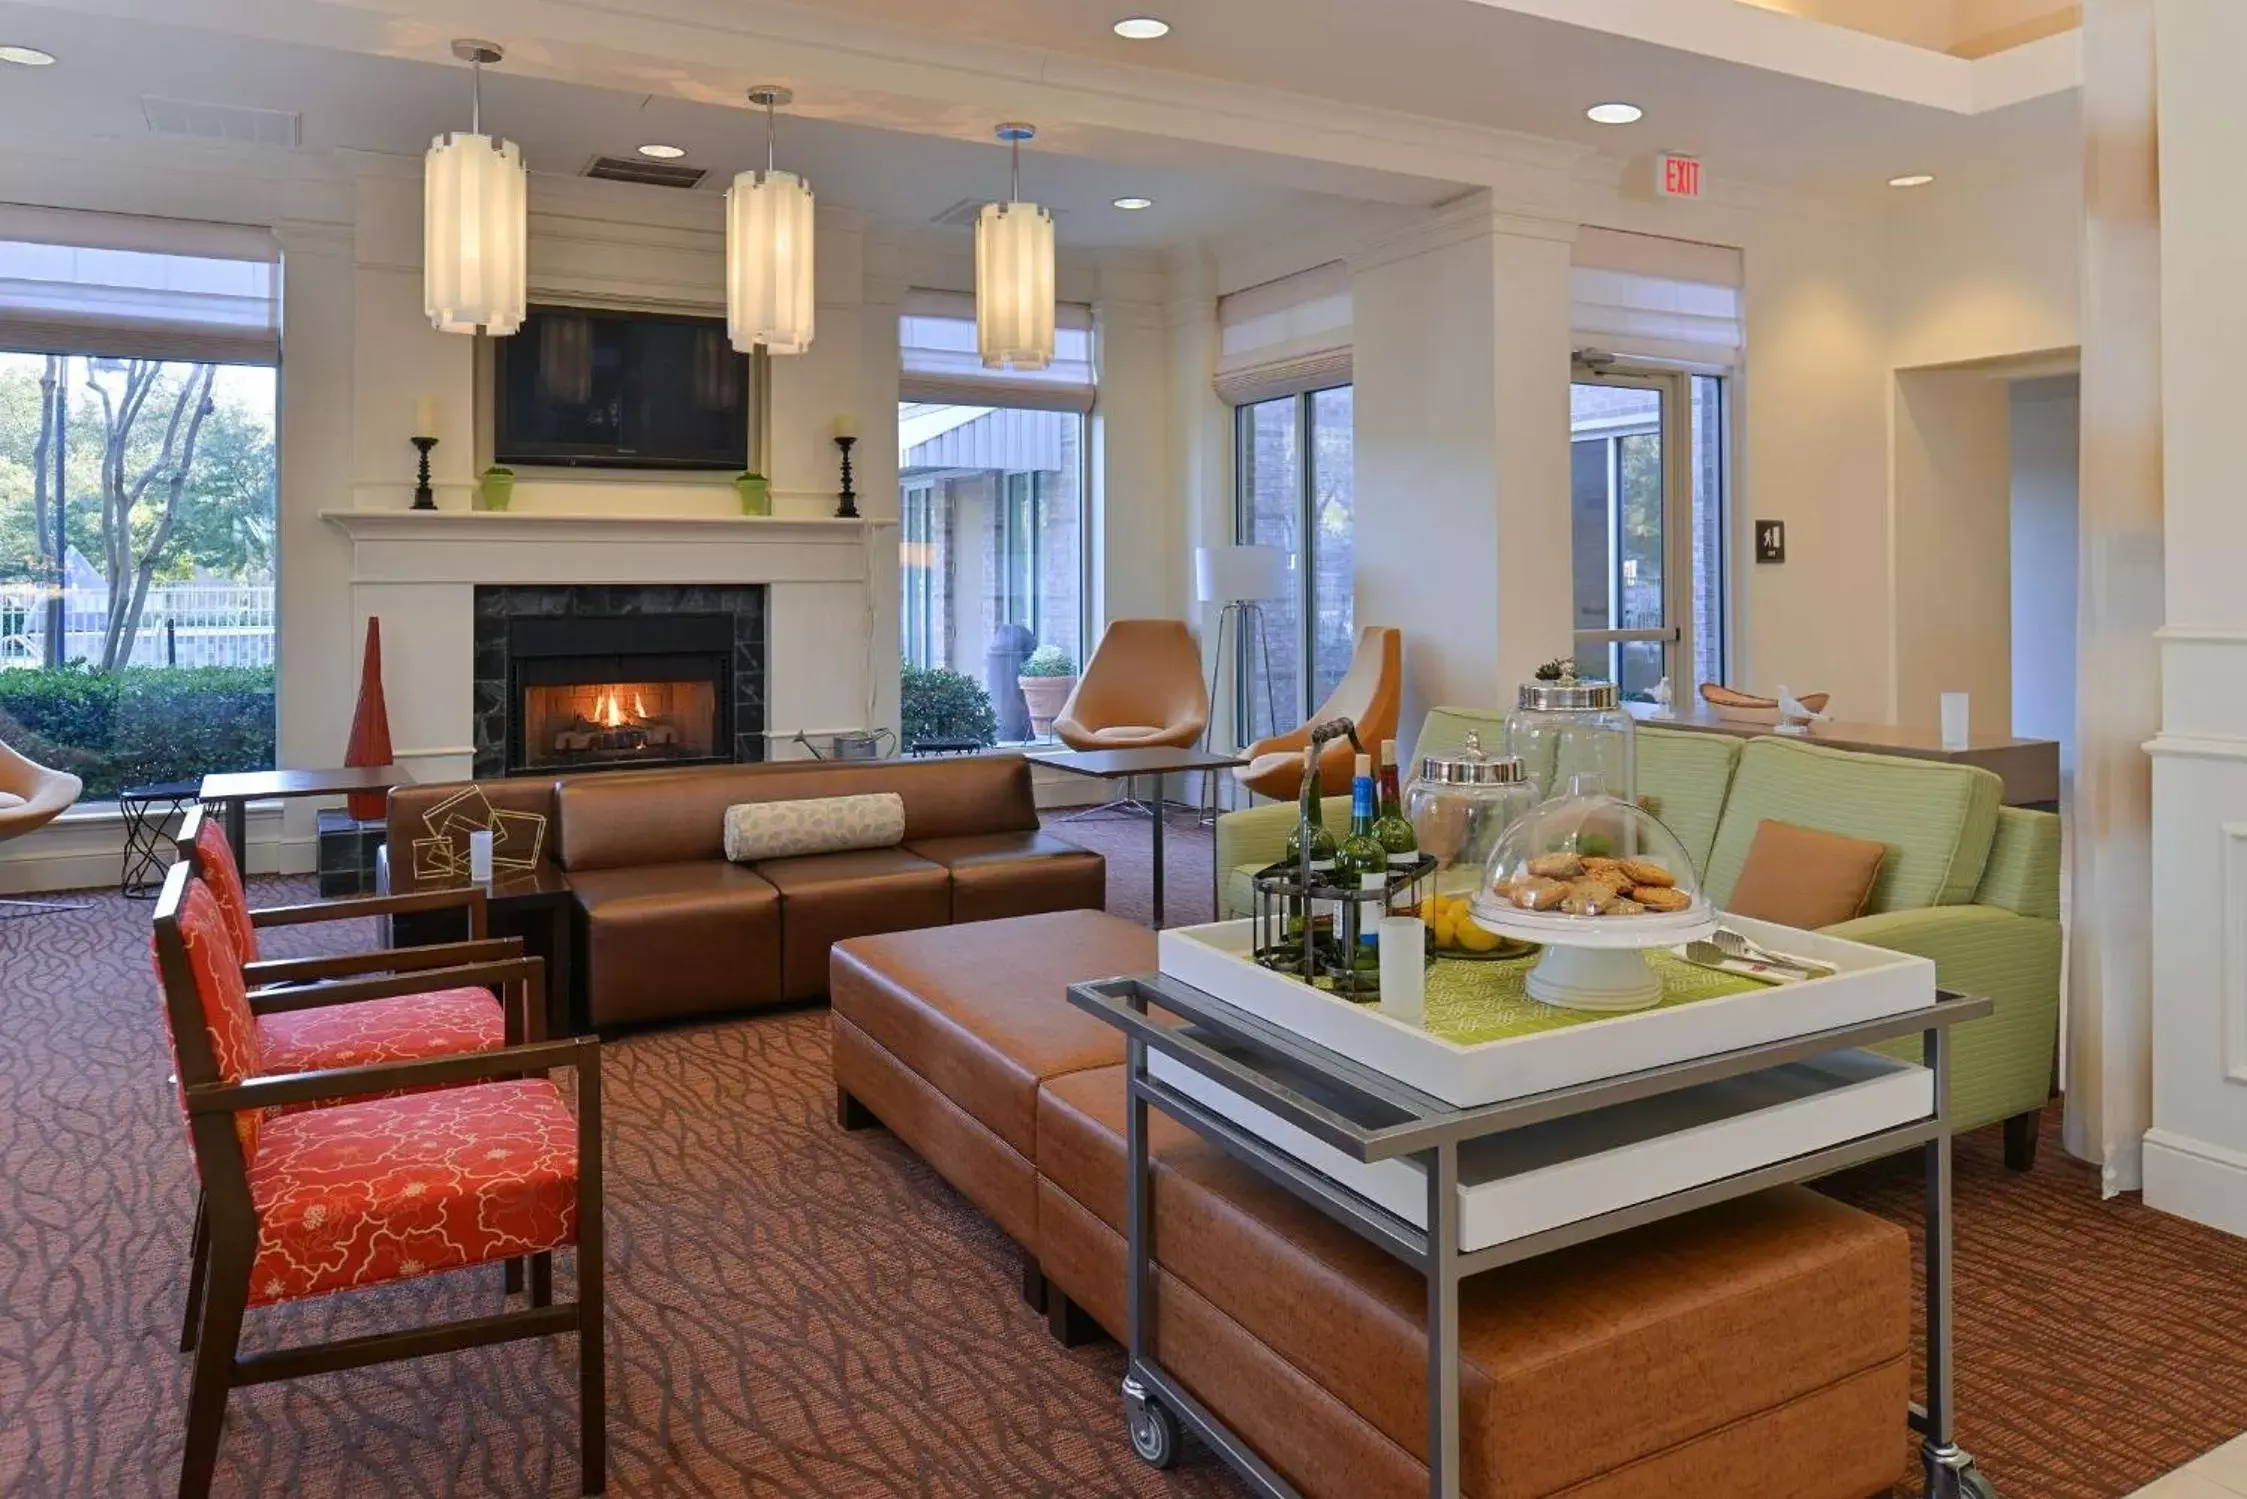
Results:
<point x="353" y="101"/>
<point x="1250" y="111"/>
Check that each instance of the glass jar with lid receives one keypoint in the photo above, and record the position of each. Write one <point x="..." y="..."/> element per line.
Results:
<point x="1459" y="805"/>
<point x="1567" y="732"/>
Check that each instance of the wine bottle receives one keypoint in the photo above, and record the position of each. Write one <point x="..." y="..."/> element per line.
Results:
<point x="1394" y="830"/>
<point x="1311" y="814"/>
<point x="1363" y="864"/>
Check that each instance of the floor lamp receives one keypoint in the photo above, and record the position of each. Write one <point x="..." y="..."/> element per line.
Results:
<point x="1240" y="578"/>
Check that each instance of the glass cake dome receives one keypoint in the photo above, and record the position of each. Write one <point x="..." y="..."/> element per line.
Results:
<point x="1595" y="879"/>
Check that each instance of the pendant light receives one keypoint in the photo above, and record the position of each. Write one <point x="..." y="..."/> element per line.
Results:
<point x="1014" y="274"/>
<point x="769" y="250"/>
<point x="473" y="221"/>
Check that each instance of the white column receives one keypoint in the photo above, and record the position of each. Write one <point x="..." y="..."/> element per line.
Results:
<point x="2196" y="1152"/>
<point x="1461" y="334"/>
<point x="1141" y="557"/>
<point x="2108" y="1074"/>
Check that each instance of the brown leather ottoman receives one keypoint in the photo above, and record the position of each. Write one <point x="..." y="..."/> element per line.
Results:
<point x="945" y="1034"/>
<point x="1758" y="1347"/>
<point x="1672" y="1358"/>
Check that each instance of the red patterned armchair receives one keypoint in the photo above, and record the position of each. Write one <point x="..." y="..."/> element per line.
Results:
<point x="306" y="1022"/>
<point x="348" y="1177"/>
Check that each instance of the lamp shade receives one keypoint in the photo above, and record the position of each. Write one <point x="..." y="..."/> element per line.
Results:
<point x="1014" y="286"/>
<point x="473" y="232"/>
<point x="769" y="262"/>
<point x="1240" y="574"/>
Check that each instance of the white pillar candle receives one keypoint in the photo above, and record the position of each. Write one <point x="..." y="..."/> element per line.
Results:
<point x="1955" y="735"/>
<point x="480" y="856"/>
<point x="1404" y="969"/>
<point x="425" y="417"/>
<point x="846" y="426"/>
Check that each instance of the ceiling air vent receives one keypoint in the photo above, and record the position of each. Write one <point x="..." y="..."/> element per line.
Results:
<point x="222" y="122"/>
<point x="652" y="173"/>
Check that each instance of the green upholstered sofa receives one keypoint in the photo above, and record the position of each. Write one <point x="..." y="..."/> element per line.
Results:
<point x="1967" y="882"/>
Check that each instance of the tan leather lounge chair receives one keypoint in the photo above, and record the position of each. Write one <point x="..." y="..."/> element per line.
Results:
<point x="31" y="796"/>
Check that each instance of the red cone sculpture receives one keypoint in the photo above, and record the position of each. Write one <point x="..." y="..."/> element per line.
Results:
<point x="370" y="727"/>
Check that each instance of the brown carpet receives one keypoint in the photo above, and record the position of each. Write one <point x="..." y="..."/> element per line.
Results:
<point x="800" y="1312"/>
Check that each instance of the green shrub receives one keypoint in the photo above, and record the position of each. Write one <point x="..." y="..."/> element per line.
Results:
<point x="940" y="704"/>
<point x="141" y="724"/>
<point x="1049" y="661"/>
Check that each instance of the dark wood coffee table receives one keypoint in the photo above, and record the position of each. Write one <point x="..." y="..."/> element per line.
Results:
<point x="1127" y="766"/>
<point x="232" y="792"/>
<point x="533" y="904"/>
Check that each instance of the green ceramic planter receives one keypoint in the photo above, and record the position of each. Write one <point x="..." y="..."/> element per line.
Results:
<point x="496" y="489"/>
<point x="756" y="493"/>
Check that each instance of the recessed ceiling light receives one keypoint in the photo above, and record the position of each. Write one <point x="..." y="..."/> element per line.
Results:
<point x="1615" y="114"/>
<point x="1141" y="28"/>
<point x="26" y="57"/>
<point x="1915" y="179"/>
<point x="1133" y="205"/>
<point x="662" y="152"/>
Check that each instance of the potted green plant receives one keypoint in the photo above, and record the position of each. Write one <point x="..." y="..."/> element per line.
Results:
<point x="1047" y="678"/>
<point x="755" y="491"/>
<point x="495" y="488"/>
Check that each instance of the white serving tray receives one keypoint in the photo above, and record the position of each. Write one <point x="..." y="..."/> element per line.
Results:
<point x="1870" y="983"/>
<point x="1546" y="1175"/>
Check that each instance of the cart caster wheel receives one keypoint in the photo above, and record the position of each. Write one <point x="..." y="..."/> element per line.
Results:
<point x="1154" y="1433"/>
<point x="1972" y="1485"/>
<point x="1951" y="1474"/>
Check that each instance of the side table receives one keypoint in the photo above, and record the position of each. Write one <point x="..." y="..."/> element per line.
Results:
<point x="151" y="812"/>
<point x="533" y="904"/>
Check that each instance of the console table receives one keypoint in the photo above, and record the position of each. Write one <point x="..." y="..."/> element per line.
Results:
<point x="1370" y="1117"/>
<point x="2030" y="768"/>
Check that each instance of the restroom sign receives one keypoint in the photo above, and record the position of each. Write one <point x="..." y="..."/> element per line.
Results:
<point x="1678" y="176"/>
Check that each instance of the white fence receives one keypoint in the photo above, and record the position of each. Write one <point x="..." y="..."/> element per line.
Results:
<point x="182" y="624"/>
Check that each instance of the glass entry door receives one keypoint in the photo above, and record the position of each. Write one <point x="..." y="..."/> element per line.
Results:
<point x="1630" y="487"/>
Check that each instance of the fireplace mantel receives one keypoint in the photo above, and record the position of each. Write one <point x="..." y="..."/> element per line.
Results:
<point x="520" y="525"/>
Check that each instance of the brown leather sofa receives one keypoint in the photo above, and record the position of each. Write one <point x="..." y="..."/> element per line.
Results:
<point x="666" y="927"/>
<point x="1757" y="1347"/>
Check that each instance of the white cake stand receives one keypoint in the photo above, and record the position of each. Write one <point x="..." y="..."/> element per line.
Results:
<point x="1594" y="963"/>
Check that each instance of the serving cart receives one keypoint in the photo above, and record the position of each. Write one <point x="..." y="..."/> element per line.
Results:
<point x="1309" y="1103"/>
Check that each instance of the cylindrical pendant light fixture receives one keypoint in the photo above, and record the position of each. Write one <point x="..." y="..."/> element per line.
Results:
<point x="474" y="223"/>
<point x="769" y="250"/>
<point x="1014" y="274"/>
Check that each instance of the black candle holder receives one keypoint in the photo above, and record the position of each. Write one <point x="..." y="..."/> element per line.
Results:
<point x="424" y="497"/>
<point x="848" y="510"/>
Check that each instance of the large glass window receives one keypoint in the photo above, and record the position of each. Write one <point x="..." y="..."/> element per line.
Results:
<point x="1296" y="490"/>
<point x="136" y="565"/>
<point x="992" y="556"/>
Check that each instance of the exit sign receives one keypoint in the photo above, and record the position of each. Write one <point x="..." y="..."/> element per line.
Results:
<point x="1678" y="176"/>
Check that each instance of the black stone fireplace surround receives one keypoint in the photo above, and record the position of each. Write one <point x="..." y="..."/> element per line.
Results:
<point x="534" y="635"/>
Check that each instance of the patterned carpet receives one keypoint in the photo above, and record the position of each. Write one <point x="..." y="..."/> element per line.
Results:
<point x="800" y="1312"/>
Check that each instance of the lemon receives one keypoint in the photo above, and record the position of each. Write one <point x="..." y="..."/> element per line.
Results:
<point x="1447" y="930"/>
<point x="1474" y="939"/>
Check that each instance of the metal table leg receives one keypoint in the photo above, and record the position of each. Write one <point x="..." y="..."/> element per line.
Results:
<point x="1443" y="1322"/>
<point x="1949" y="1471"/>
<point x="1158" y="877"/>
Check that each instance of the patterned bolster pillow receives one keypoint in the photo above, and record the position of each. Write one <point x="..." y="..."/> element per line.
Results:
<point x="814" y="825"/>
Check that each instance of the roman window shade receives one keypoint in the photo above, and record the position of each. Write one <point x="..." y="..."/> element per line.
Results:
<point x="1284" y="337"/>
<point x="122" y="287"/>
<point x="940" y="365"/>
<point x="1646" y="297"/>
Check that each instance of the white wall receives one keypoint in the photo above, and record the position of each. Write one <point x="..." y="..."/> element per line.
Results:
<point x="2196" y="1152"/>
<point x="2046" y="436"/>
<point x="1951" y="479"/>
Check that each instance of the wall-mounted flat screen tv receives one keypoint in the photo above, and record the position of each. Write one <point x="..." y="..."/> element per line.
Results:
<point x="593" y="388"/>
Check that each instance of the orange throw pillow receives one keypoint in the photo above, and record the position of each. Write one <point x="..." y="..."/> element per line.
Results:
<point x="1800" y="877"/>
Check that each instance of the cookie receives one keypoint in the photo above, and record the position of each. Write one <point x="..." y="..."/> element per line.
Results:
<point x="1537" y="894"/>
<point x="1612" y="877"/>
<point x="1598" y="892"/>
<point x="1600" y="863"/>
<point x="1625" y="906"/>
<point x="1644" y="873"/>
<point x="1661" y="897"/>
<point x="1562" y="866"/>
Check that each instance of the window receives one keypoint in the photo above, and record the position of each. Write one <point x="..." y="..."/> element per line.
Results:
<point x="1646" y="490"/>
<point x="993" y="477"/>
<point x="1296" y="490"/>
<point x="138" y="395"/>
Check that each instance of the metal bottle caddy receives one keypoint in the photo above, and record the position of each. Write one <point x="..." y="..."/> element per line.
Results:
<point x="1285" y="889"/>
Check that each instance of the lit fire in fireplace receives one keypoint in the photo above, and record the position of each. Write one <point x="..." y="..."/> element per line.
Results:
<point x="609" y="712"/>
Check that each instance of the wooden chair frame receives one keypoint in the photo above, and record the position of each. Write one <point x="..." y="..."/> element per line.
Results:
<point x="229" y="1225"/>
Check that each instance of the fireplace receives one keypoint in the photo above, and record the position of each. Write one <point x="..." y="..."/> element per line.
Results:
<point x="580" y="679"/>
